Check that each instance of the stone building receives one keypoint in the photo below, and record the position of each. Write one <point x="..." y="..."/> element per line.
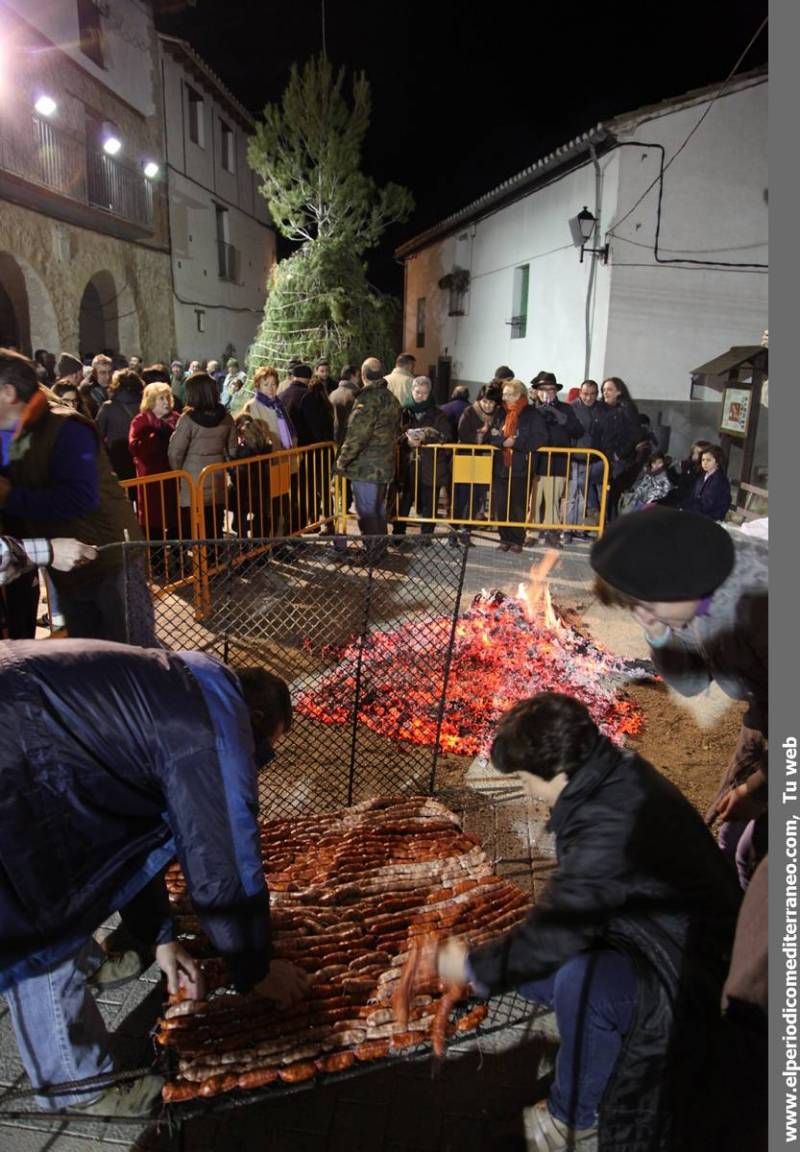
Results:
<point x="84" y="239"/>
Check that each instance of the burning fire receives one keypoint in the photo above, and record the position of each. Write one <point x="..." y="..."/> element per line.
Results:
<point x="505" y="650"/>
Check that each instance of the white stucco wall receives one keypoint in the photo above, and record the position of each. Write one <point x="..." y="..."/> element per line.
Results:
<point x="196" y="272"/>
<point x="533" y="231"/>
<point x="197" y="182"/>
<point x="650" y="325"/>
<point x="128" y="49"/>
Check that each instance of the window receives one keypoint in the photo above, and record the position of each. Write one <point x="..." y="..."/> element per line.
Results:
<point x="196" y="119"/>
<point x="225" y="251"/>
<point x="519" y="304"/>
<point x="90" y="31"/>
<point x="200" y="315"/>
<point x="421" y="322"/>
<point x="226" y="146"/>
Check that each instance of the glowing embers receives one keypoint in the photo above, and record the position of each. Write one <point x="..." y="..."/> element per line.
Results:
<point x="505" y="650"/>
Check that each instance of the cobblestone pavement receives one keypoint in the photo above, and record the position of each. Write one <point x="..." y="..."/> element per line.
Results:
<point x="471" y="1103"/>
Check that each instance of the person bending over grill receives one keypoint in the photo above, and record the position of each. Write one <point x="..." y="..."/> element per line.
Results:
<point x="114" y="760"/>
<point x="702" y="601"/>
<point x="629" y="942"/>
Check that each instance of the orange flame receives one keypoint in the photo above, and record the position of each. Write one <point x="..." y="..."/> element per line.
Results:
<point x="535" y="596"/>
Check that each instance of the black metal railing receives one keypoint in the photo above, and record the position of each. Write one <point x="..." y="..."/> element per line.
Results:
<point x="41" y="153"/>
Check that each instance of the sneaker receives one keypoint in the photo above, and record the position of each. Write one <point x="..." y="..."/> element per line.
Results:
<point x="118" y="968"/>
<point x="544" y="1133"/>
<point x="134" y="1098"/>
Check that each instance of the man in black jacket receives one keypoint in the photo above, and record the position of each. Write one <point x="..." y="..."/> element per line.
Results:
<point x="312" y="418"/>
<point x="563" y="427"/>
<point x="629" y="942"/>
<point x="583" y="498"/>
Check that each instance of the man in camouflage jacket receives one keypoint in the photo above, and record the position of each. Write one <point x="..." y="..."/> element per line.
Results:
<point x="367" y="456"/>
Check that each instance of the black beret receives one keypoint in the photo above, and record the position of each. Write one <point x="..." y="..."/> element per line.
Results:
<point x="68" y="365"/>
<point x="302" y="372"/>
<point x="504" y="373"/>
<point x="661" y="554"/>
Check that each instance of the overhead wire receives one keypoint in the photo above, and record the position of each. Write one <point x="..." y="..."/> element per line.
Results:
<point x="717" y="95"/>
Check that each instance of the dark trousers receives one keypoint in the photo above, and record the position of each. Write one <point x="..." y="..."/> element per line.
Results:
<point x="117" y="606"/>
<point x="19" y="601"/>
<point x="425" y="504"/>
<point x="510" y="505"/>
<point x="594" y="997"/>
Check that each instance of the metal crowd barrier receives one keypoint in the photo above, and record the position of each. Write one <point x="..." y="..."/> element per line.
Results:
<point x="246" y="501"/>
<point x="477" y="494"/>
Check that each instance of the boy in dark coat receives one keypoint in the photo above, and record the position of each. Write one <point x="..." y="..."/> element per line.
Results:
<point x="629" y="943"/>
<point x="96" y="802"/>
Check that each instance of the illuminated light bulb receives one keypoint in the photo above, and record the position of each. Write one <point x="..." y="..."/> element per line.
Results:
<point x="112" y="145"/>
<point x="45" y="105"/>
<point x="151" y="169"/>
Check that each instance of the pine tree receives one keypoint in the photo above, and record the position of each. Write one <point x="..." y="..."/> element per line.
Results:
<point x="307" y="152"/>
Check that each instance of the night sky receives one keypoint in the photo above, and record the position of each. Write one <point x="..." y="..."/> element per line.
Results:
<point x="465" y="95"/>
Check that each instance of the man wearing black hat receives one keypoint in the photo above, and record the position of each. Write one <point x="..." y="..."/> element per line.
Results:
<point x="701" y="598"/>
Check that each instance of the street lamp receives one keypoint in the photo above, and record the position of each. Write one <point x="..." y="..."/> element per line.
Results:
<point x="151" y="169"/>
<point x="45" y="105"/>
<point x="587" y="223"/>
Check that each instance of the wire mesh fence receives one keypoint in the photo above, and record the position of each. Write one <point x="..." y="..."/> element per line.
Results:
<point x="338" y="628"/>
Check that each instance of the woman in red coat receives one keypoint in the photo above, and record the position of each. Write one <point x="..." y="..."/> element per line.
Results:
<point x="157" y="505"/>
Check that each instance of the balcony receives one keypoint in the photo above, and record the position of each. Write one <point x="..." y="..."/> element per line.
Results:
<point x="228" y="261"/>
<point x="61" y="165"/>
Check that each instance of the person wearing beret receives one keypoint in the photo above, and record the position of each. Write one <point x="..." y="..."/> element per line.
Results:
<point x="702" y="601"/>
<point x="701" y="597"/>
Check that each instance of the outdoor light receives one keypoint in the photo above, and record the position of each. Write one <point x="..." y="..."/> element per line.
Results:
<point x="45" y="105"/>
<point x="151" y="169"/>
<point x="111" y="142"/>
<point x="586" y="223"/>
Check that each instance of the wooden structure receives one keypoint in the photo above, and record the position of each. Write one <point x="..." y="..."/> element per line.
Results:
<point x="739" y="376"/>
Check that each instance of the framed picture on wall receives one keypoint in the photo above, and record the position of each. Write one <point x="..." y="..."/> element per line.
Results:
<point x="735" y="412"/>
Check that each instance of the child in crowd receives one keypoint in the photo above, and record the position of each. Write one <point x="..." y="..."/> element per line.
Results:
<point x="653" y="484"/>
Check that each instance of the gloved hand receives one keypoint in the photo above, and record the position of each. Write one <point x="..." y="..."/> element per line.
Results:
<point x="285" y="984"/>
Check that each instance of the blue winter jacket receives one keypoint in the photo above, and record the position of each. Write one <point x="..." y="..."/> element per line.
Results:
<point x="114" y="760"/>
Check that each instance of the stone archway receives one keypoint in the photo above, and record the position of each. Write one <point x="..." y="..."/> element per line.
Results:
<point x="15" y="316"/>
<point x="98" y="323"/>
<point x="26" y="307"/>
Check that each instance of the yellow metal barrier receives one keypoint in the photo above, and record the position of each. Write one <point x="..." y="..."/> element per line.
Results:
<point x="244" y="501"/>
<point x="479" y="494"/>
<point x="157" y="502"/>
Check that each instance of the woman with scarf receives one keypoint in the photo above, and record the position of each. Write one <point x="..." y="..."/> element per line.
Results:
<point x="157" y="505"/>
<point x="422" y="473"/>
<point x="268" y="410"/>
<point x="524" y="431"/>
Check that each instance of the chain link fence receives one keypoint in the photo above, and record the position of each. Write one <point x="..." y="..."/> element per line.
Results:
<point x="310" y="609"/>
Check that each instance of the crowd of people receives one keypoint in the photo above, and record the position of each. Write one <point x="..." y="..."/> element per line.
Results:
<point x="655" y="968"/>
<point x="162" y="417"/>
